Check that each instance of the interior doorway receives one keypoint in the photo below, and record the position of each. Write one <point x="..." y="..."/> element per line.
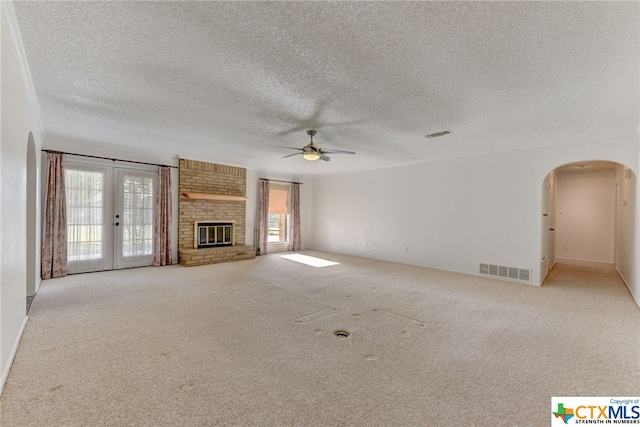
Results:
<point x="588" y="215"/>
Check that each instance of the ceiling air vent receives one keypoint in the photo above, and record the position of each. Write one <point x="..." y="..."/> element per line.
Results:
<point x="437" y="134"/>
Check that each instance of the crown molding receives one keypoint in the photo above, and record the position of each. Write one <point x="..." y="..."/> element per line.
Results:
<point x="10" y="17"/>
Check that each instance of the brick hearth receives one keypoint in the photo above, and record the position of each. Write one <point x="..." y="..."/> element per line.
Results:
<point x="193" y="257"/>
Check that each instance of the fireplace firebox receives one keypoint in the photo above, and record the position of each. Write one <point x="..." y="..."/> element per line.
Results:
<point x="208" y="234"/>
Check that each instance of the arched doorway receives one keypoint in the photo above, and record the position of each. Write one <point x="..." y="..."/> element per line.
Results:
<point x="588" y="215"/>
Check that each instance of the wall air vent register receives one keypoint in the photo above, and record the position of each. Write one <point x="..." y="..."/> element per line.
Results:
<point x="512" y="273"/>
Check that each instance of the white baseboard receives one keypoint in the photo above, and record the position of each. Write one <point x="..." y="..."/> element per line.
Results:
<point x="14" y="350"/>
<point x="582" y="261"/>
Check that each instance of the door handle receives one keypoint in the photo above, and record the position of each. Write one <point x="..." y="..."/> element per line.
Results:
<point x="552" y="229"/>
<point x="117" y="223"/>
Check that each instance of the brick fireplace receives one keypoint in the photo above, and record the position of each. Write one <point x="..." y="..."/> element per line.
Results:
<point x="212" y="194"/>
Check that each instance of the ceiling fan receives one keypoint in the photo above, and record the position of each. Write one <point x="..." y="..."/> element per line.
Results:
<point x="314" y="151"/>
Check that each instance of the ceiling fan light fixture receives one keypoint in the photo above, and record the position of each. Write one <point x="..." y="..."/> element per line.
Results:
<point x="310" y="152"/>
<point x="314" y="151"/>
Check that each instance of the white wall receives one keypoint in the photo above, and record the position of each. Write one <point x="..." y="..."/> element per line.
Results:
<point x="18" y="117"/>
<point x="452" y="214"/>
<point x="586" y="216"/>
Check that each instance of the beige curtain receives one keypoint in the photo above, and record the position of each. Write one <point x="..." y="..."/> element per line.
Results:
<point x="162" y="241"/>
<point x="294" y="212"/>
<point x="54" y="227"/>
<point x="263" y="219"/>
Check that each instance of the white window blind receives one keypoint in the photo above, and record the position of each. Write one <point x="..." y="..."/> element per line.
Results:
<point x="278" y="213"/>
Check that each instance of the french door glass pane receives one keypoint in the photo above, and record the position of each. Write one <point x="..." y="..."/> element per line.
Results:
<point x="84" y="192"/>
<point x="137" y="215"/>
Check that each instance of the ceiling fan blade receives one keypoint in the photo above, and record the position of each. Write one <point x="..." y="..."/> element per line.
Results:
<point x="295" y="129"/>
<point x="312" y="149"/>
<point x="311" y="121"/>
<point x="331" y="151"/>
<point x="279" y="146"/>
<point x="294" y="154"/>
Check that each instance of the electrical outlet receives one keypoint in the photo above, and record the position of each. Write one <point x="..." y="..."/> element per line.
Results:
<point x="406" y="249"/>
<point x="375" y="246"/>
<point x="566" y="247"/>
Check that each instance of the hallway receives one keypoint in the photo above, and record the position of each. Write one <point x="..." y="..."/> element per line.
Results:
<point x="592" y="281"/>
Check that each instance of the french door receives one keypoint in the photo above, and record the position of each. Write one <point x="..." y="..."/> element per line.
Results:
<point x="110" y="217"/>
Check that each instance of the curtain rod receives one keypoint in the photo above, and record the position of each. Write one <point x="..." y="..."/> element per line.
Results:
<point x="277" y="180"/>
<point x="109" y="158"/>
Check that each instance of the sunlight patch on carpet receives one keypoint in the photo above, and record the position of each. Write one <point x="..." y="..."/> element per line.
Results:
<point x="309" y="260"/>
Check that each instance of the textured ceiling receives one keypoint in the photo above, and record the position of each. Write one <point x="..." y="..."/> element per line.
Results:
<point x="224" y="81"/>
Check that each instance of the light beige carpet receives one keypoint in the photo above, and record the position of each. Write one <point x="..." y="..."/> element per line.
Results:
<point x="252" y="343"/>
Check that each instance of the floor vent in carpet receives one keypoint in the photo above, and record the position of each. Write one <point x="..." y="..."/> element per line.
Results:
<point x="512" y="273"/>
<point x="341" y="334"/>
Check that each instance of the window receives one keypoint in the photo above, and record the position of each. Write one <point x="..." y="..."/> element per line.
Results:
<point x="137" y="214"/>
<point x="278" y="214"/>
<point x="85" y="198"/>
